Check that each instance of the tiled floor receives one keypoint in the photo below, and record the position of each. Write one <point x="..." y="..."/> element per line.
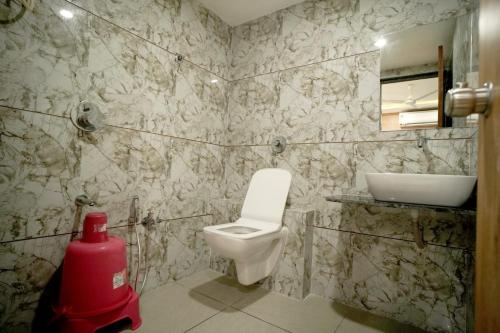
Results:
<point x="210" y="302"/>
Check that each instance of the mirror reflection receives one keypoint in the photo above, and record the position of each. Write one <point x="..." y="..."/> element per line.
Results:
<point x="419" y="65"/>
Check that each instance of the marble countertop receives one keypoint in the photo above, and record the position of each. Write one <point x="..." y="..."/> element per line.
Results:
<point x="369" y="200"/>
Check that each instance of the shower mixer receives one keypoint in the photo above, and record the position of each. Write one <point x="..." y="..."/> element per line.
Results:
<point x="87" y="117"/>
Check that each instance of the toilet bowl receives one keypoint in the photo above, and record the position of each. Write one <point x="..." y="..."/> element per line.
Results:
<point x="256" y="240"/>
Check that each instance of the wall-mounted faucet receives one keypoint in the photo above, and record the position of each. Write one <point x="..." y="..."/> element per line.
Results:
<point x="421" y="142"/>
<point x="83" y="200"/>
<point x="80" y="201"/>
<point x="278" y="145"/>
<point x="148" y="220"/>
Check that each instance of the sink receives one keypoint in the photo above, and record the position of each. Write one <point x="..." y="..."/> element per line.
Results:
<point x="436" y="190"/>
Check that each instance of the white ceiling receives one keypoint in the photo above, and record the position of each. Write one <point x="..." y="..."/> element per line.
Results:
<point x="418" y="46"/>
<point x="236" y="12"/>
<point x="394" y="95"/>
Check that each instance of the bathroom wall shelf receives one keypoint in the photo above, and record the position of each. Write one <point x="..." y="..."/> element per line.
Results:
<point x="369" y="200"/>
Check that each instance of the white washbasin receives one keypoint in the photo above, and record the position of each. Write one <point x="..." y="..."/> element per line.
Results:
<point x="438" y="190"/>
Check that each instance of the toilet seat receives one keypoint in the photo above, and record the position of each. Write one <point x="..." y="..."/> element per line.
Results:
<point x="261" y="228"/>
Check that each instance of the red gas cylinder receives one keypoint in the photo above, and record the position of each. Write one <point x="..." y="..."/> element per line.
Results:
<point x="94" y="289"/>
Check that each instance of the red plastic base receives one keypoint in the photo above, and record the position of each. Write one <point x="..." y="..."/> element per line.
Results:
<point x="91" y="324"/>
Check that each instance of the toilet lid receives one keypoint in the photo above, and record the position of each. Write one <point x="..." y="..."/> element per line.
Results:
<point x="266" y="195"/>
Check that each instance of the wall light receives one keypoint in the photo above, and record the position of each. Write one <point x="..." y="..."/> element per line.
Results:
<point x="214" y="80"/>
<point x="381" y="42"/>
<point x="66" y="14"/>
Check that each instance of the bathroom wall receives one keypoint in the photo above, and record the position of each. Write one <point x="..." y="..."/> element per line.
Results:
<point x="188" y="145"/>
<point x="311" y="73"/>
<point x="166" y="123"/>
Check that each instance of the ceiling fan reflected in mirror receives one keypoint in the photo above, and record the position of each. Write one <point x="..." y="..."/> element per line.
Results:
<point x="426" y="101"/>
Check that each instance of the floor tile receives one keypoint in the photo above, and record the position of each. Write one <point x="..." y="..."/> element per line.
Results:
<point x="173" y="308"/>
<point x="232" y="320"/>
<point x="313" y="314"/>
<point x="357" y="321"/>
<point x="218" y="286"/>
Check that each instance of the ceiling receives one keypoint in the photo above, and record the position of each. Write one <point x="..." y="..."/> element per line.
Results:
<point x="418" y="46"/>
<point x="236" y="12"/>
<point x="394" y="95"/>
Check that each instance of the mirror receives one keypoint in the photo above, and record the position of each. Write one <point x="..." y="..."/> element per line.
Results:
<point x="417" y="68"/>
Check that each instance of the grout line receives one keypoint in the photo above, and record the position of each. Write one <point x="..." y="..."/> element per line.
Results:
<point x="226" y="307"/>
<point x="198" y="293"/>
<point x="34" y="111"/>
<point x="394" y="238"/>
<point x="265" y="321"/>
<point x="115" y="126"/>
<point x="165" y="135"/>
<point x="240" y="145"/>
<point x="144" y="39"/>
<point x="182" y="218"/>
<point x="112" y="227"/>
<point x="344" y="142"/>
<point x="201" y="322"/>
<point x="305" y="65"/>
<point x="338" y="326"/>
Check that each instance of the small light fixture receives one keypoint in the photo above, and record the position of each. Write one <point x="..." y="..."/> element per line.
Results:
<point x="381" y="42"/>
<point x="66" y="14"/>
<point x="214" y="80"/>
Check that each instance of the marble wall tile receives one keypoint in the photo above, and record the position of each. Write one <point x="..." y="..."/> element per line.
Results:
<point x="315" y="31"/>
<point x="317" y="170"/>
<point x="199" y="106"/>
<point x="425" y="288"/>
<point x="170" y="249"/>
<point x="131" y="80"/>
<point x="49" y="65"/>
<point x="140" y="86"/>
<point x="180" y="26"/>
<point x="388" y="16"/>
<point x="187" y="250"/>
<point x="255" y="40"/>
<point x="333" y="101"/>
<point x="241" y="163"/>
<point x="332" y="264"/>
<point x="437" y="157"/>
<point x="135" y="83"/>
<point x="118" y="164"/>
<point x="290" y="277"/>
<point x="252" y="106"/>
<point x="318" y="30"/>
<point x="474" y="152"/>
<point x="43" y="60"/>
<point x="439" y="228"/>
<point x="40" y="158"/>
<point x="225" y="210"/>
<point x="315" y="101"/>
<point x="26" y="271"/>
<point x="173" y="178"/>
<point x="203" y="37"/>
<point x="305" y="104"/>
<point x="196" y="176"/>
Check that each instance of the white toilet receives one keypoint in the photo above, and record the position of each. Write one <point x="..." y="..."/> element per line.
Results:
<point x="255" y="241"/>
